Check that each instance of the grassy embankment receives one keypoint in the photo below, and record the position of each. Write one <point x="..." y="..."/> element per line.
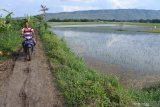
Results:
<point x="81" y="86"/>
<point x="149" y="95"/>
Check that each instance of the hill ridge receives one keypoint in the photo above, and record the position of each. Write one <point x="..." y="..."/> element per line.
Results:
<point x="108" y="14"/>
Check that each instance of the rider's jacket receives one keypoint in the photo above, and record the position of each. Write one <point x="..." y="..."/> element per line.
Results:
<point x="27" y="31"/>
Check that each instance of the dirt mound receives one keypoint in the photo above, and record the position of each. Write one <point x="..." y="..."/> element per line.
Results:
<point x="28" y="83"/>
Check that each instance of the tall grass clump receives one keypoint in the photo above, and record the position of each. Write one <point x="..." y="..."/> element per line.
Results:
<point x="148" y="95"/>
<point x="9" y="35"/>
<point x="10" y="42"/>
<point x="81" y="86"/>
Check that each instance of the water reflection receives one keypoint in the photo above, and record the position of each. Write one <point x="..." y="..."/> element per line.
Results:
<point x="133" y="50"/>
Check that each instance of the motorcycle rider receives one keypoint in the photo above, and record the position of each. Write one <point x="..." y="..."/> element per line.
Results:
<point x="27" y="31"/>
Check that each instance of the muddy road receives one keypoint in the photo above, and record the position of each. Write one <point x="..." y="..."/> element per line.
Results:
<point x="28" y="83"/>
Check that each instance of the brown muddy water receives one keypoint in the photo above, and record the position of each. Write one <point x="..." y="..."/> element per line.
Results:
<point x="122" y="50"/>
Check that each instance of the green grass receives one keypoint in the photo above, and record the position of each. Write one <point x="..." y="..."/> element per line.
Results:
<point x="71" y="23"/>
<point x="10" y="32"/>
<point x="81" y="86"/>
<point x="84" y="87"/>
<point x="153" y="31"/>
<point x="10" y="42"/>
<point x="10" y="38"/>
<point x="148" y="94"/>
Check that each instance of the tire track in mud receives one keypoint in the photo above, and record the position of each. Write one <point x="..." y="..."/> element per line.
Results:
<point x="23" y="95"/>
<point x="30" y="84"/>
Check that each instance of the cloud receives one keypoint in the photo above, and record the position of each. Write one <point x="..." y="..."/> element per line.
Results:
<point x="78" y="0"/>
<point x="123" y="3"/>
<point x="139" y="4"/>
<point x="32" y="7"/>
<point x="71" y="8"/>
<point x="76" y="8"/>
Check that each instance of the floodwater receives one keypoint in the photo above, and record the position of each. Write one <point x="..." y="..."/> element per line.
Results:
<point x="123" y="50"/>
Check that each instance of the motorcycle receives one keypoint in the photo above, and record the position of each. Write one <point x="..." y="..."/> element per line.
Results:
<point x="28" y="46"/>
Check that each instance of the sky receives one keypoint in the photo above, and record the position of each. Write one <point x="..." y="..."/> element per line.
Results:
<point x="32" y="7"/>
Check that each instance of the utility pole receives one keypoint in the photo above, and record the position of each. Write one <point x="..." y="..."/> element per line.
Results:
<point x="44" y="9"/>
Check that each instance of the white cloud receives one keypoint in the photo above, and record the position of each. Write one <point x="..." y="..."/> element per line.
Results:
<point x="123" y="3"/>
<point x="76" y="8"/>
<point x="33" y="6"/>
<point x="70" y="8"/>
<point x="79" y="0"/>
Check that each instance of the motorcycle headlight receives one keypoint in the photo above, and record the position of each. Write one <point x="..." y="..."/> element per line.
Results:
<point x="28" y="37"/>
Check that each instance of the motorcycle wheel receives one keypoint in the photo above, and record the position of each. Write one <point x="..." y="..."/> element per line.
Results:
<point x="29" y="54"/>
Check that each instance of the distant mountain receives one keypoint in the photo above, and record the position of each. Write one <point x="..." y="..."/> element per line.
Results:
<point x="117" y="14"/>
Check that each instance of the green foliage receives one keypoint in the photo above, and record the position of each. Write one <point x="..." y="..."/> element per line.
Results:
<point x="10" y="33"/>
<point x="81" y="87"/>
<point x="10" y="42"/>
<point x="33" y="21"/>
<point x="148" y="94"/>
<point x="5" y="23"/>
<point x="153" y="30"/>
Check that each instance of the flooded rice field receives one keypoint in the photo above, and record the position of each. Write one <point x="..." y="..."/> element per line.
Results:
<point x="123" y="50"/>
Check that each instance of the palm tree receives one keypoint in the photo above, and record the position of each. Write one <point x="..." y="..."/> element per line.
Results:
<point x="44" y="9"/>
<point x="7" y="20"/>
<point x="8" y="17"/>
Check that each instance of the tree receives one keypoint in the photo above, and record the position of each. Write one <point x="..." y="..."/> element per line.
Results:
<point x="8" y="17"/>
<point x="5" y="23"/>
<point x="44" y="9"/>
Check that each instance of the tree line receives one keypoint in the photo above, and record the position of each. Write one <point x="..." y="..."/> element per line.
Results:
<point x="101" y="20"/>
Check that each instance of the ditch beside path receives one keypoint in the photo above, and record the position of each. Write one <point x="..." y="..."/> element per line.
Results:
<point x="28" y="83"/>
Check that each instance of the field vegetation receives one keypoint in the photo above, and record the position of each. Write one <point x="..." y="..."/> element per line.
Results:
<point x="9" y="35"/>
<point x="154" y="27"/>
<point x="74" y="78"/>
<point x="79" y="85"/>
<point x="157" y="30"/>
<point x="101" y="22"/>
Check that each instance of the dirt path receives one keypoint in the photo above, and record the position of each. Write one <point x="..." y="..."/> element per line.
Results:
<point x="29" y="83"/>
